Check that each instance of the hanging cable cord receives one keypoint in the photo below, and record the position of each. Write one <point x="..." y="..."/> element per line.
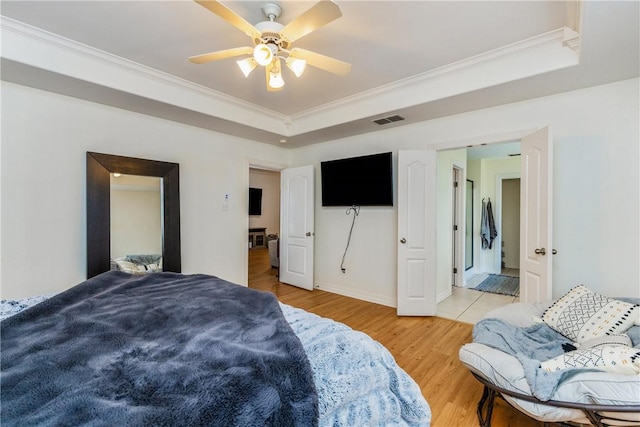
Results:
<point x="356" y="212"/>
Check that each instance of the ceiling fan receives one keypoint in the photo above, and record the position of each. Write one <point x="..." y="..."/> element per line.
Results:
<point x="272" y="42"/>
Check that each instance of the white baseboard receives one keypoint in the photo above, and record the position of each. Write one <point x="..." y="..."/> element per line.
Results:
<point x="364" y="296"/>
<point x="442" y="295"/>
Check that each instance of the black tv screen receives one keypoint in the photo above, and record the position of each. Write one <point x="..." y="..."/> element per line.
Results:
<point x="255" y="201"/>
<point x="358" y="181"/>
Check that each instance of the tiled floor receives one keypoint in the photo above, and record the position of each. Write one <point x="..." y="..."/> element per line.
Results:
<point x="468" y="305"/>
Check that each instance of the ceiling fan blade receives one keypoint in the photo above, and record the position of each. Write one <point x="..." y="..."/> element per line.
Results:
<point x="318" y="15"/>
<point x="231" y="17"/>
<point x="326" y="63"/>
<point x="221" y="54"/>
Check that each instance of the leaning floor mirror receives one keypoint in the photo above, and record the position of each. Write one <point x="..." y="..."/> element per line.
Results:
<point x="102" y="222"/>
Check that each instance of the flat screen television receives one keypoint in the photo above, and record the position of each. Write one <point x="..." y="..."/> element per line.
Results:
<point x="255" y="201"/>
<point x="358" y="181"/>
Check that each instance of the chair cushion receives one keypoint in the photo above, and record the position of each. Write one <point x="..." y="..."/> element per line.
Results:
<point x="588" y="386"/>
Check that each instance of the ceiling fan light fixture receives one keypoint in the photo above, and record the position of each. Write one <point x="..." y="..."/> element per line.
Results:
<point x="275" y="80"/>
<point x="275" y="76"/>
<point x="296" y="65"/>
<point x="247" y="65"/>
<point x="264" y="53"/>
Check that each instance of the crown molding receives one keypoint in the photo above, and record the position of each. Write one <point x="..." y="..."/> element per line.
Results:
<point x="561" y="37"/>
<point x="16" y="34"/>
<point x="571" y="40"/>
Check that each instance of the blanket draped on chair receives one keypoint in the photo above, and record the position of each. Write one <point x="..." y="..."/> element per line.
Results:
<point x="157" y="349"/>
<point x="530" y="346"/>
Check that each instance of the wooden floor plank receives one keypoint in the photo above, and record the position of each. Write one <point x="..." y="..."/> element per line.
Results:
<point x="425" y="347"/>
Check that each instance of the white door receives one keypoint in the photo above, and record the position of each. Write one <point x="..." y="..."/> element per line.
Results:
<point x="416" y="233"/>
<point x="296" y="226"/>
<point x="536" y="214"/>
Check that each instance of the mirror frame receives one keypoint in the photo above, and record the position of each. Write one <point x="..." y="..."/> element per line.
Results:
<point x="99" y="169"/>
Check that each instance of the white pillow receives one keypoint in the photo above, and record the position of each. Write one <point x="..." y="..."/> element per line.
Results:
<point x="616" y="359"/>
<point x="582" y="314"/>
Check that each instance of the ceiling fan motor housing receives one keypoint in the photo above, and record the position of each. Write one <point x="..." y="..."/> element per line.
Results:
<point x="270" y="33"/>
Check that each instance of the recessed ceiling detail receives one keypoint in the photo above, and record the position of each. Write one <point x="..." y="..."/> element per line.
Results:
<point x="40" y="49"/>
<point x="487" y="54"/>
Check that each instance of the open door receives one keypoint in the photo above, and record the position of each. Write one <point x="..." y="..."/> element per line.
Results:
<point x="416" y="233"/>
<point x="536" y="217"/>
<point x="296" y="226"/>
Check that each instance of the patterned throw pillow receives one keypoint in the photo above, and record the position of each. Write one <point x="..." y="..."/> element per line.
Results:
<point x="611" y="339"/>
<point x="615" y="359"/>
<point x="582" y="314"/>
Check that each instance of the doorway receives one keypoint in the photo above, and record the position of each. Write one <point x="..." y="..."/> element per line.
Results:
<point x="491" y="172"/>
<point x="264" y="222"/>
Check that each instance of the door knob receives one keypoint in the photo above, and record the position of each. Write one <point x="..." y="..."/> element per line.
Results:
<point x="553" y="251"/>
<point x="308" y="234"/>
<point x="403" y="240"/>
<point x="540" y="251"/>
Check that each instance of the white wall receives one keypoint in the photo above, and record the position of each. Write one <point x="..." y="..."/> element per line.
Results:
<point x="370" y="262"/>
<point x="596" y="191"/>
<point x="269" y="181"/>
<point x="44" y="140"/>
<point x="45" y="137"/>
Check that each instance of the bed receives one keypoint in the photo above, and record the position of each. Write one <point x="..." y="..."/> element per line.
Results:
<point x="174" y="349"/>
<point x="555" y="363"/>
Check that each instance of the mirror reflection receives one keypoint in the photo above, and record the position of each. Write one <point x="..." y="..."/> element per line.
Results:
<point x="136" y="221"/>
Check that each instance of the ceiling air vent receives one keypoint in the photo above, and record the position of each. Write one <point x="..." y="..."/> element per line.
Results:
<point x="390" y="119"/>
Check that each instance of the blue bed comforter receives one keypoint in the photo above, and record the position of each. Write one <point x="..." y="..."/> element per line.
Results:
<point x="159" y="349"/>
<point x="357" y="380"/>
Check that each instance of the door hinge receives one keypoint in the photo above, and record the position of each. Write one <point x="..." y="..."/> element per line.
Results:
<point x="455" y="227"/>
<point x="455" y="184"/>
<point x="455" y="270"/>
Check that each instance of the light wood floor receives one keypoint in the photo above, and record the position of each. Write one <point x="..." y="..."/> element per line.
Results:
<point x="425" y="347"/>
